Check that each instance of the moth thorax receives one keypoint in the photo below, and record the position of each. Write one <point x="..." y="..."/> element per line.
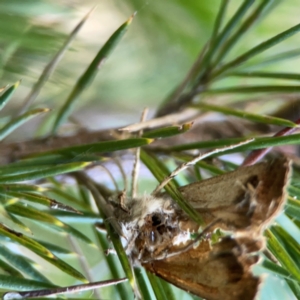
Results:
<point x="156" y="234"/>
<point x="151" y="226"/>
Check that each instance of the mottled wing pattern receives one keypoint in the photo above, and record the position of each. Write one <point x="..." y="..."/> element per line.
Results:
<point x="221" y="272"/>
<point x="248" y="198"/>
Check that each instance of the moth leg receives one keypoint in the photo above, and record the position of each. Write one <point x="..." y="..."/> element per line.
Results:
<point x="249" y="199"/>
<point x="194" y="161"/>
<point x="110" y="251"/>
<point x="101" y="227"/>
<point x="142" y="251"/>
<point x="157" y="254"/>
<point x="253" y="201"/>
<point x="119" y="164"/>
<point x="131" y="243"/>
<point x="164" y="254"/>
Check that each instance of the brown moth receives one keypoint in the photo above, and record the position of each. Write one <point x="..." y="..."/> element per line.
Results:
<point x="243" y="201"/>
<point x="158" y="232"/>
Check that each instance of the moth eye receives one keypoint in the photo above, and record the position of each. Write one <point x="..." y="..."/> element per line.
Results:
<point x="156" y="220"/>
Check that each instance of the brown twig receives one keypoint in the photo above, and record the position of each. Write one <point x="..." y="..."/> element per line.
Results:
<point x="202" y="130"/>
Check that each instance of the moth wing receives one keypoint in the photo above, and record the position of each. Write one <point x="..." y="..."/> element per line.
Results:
<point x="249" y="197"/>
<point x="213" y="274"/>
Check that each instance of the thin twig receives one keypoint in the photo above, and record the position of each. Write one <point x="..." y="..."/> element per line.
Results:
<point x="176" y="118"/>
<point x="83" y="262"/>
<point x="69" y="289"/>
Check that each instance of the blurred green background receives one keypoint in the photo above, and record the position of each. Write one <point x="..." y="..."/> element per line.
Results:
<point x="155" y="54"/>
<point x="157" y="51"/>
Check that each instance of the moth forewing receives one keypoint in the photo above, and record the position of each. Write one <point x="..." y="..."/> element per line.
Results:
<point x="246" y="199"/>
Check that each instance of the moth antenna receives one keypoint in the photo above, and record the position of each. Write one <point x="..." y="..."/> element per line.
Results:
<point x="122" y="198"/>
<point x="109" y="251"/>
<point x="111" y="177"/>
<point x="100" y="227"/>
<point x="122" y="194"/>
<point x="100" y="200"/>
<point x="56" y="291"/>
<point x="119" y="164"/>
<point x="194" y="161"/>
<point x="136" y="165"/>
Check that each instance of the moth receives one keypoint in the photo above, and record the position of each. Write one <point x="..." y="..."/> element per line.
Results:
<point x="158" y="232"/>
<point x="241" y="202"/>
<point x="245" y="201"/>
